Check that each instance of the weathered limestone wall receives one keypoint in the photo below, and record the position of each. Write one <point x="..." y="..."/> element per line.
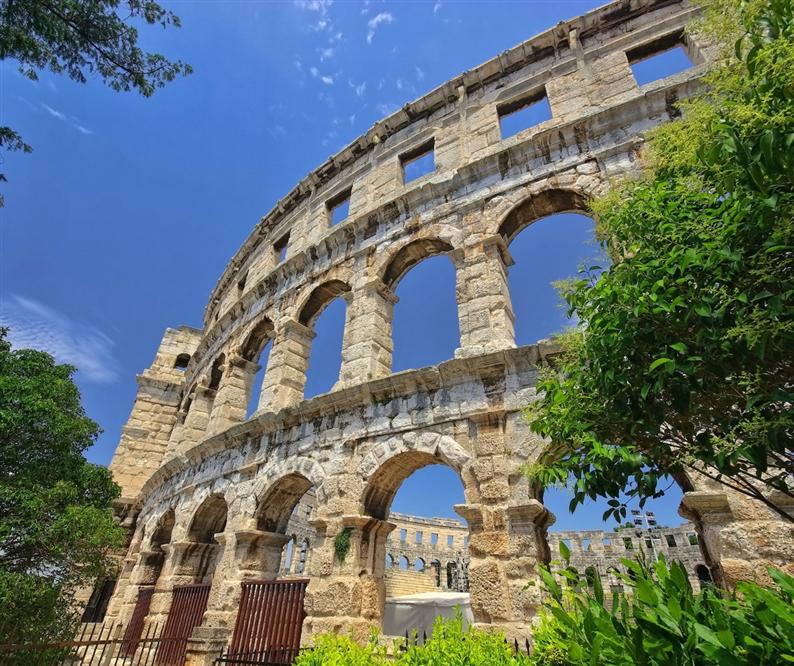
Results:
<point x="188" y="456"/>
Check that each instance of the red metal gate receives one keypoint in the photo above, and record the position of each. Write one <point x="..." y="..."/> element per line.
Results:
<point x="269" y="622"/>
<point x="187" y="609"/>
<point x="132" y="635"/>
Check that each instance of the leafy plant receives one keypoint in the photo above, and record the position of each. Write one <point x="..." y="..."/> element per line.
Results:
<point x="684" y="357"/>
<point x="452" y="644"/>
<point x="335" y="650"/>
<point x="342" y="543"/>
<point x="659" y="621"/>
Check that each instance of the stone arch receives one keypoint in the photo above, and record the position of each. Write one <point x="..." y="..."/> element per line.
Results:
<point x="216" y="372"/>
<point x="535" y="207"/>
<point x="208" y="520"/>
<point x="163" y="530"/>
<point x="319" y="298"/>
<point x="400" y="461"/>
<point x="267" y="482"/>
<point x="256" y="339"/>
<point x="410" y="255"/>
<point x="419" y="565"/>
<point x="403" y="563"/>
<point x="276" y="505"/>
<point x="389" y="561"/>
<point x="704" y="574"/>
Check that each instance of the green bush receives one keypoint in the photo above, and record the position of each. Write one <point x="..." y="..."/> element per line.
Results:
<point x="662" y="622"/>
<point x="332" y="650"/>
<point x="451" y="644"/>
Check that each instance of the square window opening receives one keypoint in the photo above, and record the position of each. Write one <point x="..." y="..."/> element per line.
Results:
<point x="419" y="162"/>
<point x="280" y="247"/>
<point x="659" y="59"/>
<point x="338" y="207"/>
<point x="524" y="113"/>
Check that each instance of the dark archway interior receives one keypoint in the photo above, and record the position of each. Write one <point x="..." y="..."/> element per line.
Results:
<point x="319" y="298"/>
<point x="277" y="505"/>
<point x="210" y="519"/>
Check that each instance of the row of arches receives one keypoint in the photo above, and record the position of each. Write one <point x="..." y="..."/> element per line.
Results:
<point x="343" y="331"/>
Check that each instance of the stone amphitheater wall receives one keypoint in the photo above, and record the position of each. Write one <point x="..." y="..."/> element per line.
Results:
<point x="208" y="491"/>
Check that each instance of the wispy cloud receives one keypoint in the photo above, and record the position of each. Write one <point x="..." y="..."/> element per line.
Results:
<point x="359" y="88"/>
<point x="420" y="73"/>
<point x="74" y="121"/>
<point x="326" y="54"/>
<point x="384" y="18"/>
<point x="327" y="79"/>
<point x="33" y="325"/>
<point x="386" y="109"/>
<point x="54" y="112"/>
<point x="436" y="8"/>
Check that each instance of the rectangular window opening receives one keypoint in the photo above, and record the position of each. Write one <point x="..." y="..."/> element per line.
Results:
<point x="670" y="540"/>
<point x="524" y="113"/>
<point x="419" y="161"/>
<point x="338" y="207"/>
<point x="280" y="247"/>
<point x="419" y="537"/>
<point x="403" y="535"/>
<point x="659" y="59"/>
<point x="628" y="544"/>
<point x="433" y="538"/>
<point x="450" y="541"/>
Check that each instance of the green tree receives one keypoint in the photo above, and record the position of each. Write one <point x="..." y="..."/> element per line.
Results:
<point x="684" y="358"/>
<point x="82" y="37"/>
<point x="57" y="530"/>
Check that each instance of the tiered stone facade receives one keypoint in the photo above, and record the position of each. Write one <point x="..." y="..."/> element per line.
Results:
<point x="209" y="493"/>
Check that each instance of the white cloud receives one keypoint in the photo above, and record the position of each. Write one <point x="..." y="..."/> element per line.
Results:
<point x="399" y="84"/>
<point x="314" y="72"/>
<point x="352" y="118"/>
<point x="382" y="18"/>
<point x="54" y="112"/>
<point x="33" y="325"/>
<point x="326" y="54"/>
<point x="360" y="88"/>
<point x="74" y="121"/>
<point x="336" y="37"/>
<point x="387" y="109"/>
<point x="299" y="65"/>
<point x="327" y="80"/>
<point x="321" y="6"/>
<point x="436" y="7"/>
<point x="420" y="73"/>
<point x="276" y="131"/>
<point x="51" y="85"/>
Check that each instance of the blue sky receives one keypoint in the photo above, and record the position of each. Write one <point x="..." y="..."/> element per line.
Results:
<point x="121" y="220"/>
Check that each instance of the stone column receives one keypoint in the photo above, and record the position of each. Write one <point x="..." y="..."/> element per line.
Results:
<point x="285" y="376"/>
<point x="347" y="596"/>
<point x="231" y="400"/>
<point x="505" y="547"/>
<point x="485" y="312"/>
<point x="367" y="346"/>
<point x="740" y="537"/>
<point x="194" y="429"/>
<point x="248" y="555"/>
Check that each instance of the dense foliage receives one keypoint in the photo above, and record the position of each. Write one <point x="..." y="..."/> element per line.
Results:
<point x="685" y="356"/>
<point x="660" y="621"/>
<point x="56" y="525"/>
<point x="81" y="37"/>
<point x="449" y="645"/>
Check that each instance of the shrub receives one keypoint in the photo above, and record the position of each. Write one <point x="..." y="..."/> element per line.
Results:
<point x="333" y="650"/>
<point x="451" y="645"/>
<point x="662" y="622"/>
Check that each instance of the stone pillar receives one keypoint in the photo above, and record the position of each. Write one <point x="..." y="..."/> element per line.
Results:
<point x="231" y="400"/>
<point x="194" y="429"/>
<point x="505" y="547"/>
<point x="485" y="313"/>
<point x="248" y="555"/>
<point x="740" y="537"/>
<point x="285" y="376"/>
<point x="347" y="596"/>
<point x="367" y="346"/>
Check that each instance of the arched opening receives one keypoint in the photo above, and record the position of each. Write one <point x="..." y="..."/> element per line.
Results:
<point x="208" y="521"/>
<point x="181" y="361"/>
<point x="704" y="575"/>
<point x="389" y="561"/>
<point x="417" y="492"/>
<point x="256" y="350"/>
<point x="325" y="311"/>
<point x="285" y="513"/>
<point x="590" y="575"/>
<point x="216" y="372"/>
<point x="425" y="320"/>
<point x="546" y="250"/>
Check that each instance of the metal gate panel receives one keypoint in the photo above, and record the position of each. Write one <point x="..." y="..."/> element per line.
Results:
<point x="132" y="635"/>
<point x="269" y="621"/>
<point x="187" y="609"/>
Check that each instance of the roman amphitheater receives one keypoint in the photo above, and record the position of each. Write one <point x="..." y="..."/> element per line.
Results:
<point x="208" y="494"/>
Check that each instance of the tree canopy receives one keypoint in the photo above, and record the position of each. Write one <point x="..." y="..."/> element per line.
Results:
<point x="83" y="37"/>
<point x="683" y="360"/>
<point x="57" y="530"/>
